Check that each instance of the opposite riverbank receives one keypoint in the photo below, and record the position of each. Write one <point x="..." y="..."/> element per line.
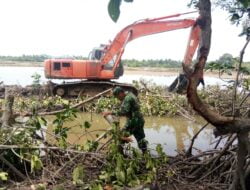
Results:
<point x="152" y="71"/>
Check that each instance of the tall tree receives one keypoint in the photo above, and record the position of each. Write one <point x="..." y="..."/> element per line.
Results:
<point x="223" y="124"/>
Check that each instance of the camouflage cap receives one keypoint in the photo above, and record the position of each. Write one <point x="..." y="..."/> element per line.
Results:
<point x="117" y="90"/>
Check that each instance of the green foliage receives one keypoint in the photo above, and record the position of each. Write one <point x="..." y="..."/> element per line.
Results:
<point x="90" y="146"/>
<point x="78" y="175"/>
<point x="246" y="84"/>
<point x="239" y="12"/>
<point x="167" y="63"/>
<point x="60" y="130"/>
<point x="225" y="64"/>
<point x="114" y="8"/>
<point x="153" y="105"/>
<point x="131" y="170"/>
<point x="37" y="122"/>
<point x="36" y="80"/>
<point x="35" y="58"/>
<point x="33" y="104"/>
<point x="24" y="136"/>
<point x="36" y="163"/>
<point x="106" y="103"/>
<point x="3" y="176"/>
<point x="86" y="125"/>
<point x="25" y="58"/>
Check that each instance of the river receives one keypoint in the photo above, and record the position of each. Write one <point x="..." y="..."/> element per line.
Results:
<point x="173" y="134"/>
<point x="22" y="76"/>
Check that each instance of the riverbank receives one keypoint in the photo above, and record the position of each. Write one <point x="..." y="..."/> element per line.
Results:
<point x="148" y="71"/>
<point x="155" y="71"/>
<point x="20" y="64"/>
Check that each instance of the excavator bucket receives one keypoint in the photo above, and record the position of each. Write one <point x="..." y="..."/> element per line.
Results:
<point x="179" y="85"/>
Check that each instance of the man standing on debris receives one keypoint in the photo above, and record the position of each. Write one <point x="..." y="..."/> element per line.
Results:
<point x="130" y="108"/>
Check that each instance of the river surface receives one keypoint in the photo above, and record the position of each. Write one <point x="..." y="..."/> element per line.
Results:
<point x="173" y="134"/>
<point x="22" y="76"/>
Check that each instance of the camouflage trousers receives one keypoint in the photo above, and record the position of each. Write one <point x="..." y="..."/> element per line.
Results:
<point x="135" y="126"/>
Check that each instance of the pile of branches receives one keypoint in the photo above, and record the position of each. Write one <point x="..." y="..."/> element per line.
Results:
<point x="213" y="169"/>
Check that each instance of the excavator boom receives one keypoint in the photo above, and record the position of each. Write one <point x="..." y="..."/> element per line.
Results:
<point x="149" y="27"/>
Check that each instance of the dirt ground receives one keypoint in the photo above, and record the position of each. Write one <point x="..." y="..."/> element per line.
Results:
<point x="169" y="72"/>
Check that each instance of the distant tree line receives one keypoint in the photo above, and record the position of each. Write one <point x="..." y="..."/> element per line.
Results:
<point x="225" y="64"/>
<point x="35" y="58"/>
<point x="25" y="58"/>
<point x="165" y="63"/>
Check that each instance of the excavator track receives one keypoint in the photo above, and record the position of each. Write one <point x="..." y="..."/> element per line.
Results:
<point x="88" y="88"/>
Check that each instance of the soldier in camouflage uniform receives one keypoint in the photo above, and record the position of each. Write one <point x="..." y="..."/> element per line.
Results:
<point x="130" y="108"/>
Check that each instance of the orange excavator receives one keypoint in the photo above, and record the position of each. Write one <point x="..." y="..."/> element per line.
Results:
<point x="104" y="62"/>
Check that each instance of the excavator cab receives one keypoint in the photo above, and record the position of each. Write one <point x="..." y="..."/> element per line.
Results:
<point x="96" y="53"/>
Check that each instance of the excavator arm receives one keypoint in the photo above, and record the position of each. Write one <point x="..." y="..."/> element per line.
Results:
<point x="149" y="27"/>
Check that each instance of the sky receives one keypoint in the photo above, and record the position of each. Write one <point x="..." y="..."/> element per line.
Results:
<point x="75" y="27"/>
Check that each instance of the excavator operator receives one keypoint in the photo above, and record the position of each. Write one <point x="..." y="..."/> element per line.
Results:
<point x="130" y="108"/>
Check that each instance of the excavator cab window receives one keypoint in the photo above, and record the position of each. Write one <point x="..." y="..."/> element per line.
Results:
<point x="57" y="66"/>
<point x="65" y="64"/>
<point x="110" y="64"/>
<point x="96" y="54"/>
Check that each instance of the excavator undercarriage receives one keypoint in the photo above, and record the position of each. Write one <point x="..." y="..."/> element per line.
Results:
<point x="87" y="88"/>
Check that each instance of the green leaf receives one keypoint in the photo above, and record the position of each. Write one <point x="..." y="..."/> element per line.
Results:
<point x="62" y="143"/>
<point x="129" y="1"/>
<point x="87" y="125"/>
<point x="3" y="176"/>
<point x="149" y="164"/>
<point x="160" y="151"/>
<point x="91" y="145"/>
<point x="244" y="3"/>
<point x="235" y="16"/>
<point x="36" y="163"/>
<point x="120" y="175"/>
<point x="43" y="120"/>
<point x="130" y="171"/>
<point x="78" y="175"/>
<point x="114" y="9"/>
<point x="97" y="187"/>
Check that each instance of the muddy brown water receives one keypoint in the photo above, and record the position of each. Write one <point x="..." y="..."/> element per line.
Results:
<point x="174" y="134"/>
